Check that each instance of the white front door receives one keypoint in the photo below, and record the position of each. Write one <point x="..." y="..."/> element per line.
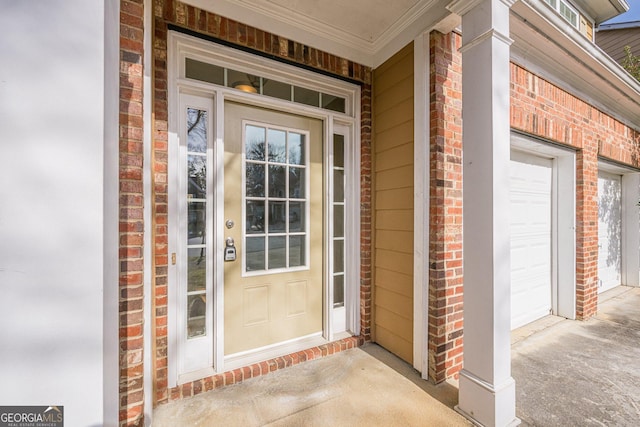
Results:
<point x="609" y="230"/>
<point x="530" y="180"/>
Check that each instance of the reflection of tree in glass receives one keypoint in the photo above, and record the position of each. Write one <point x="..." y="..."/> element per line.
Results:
<point x="277" y="153"/>
<point x="196" y="130"/>
<point x="197" y="177"/>
<point x="197" y="142"/>
<point x="255" y="171"/>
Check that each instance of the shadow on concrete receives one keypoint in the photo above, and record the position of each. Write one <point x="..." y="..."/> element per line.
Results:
<point x="446" y="392"/>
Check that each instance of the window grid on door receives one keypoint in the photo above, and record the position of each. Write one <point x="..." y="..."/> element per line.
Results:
<point x="275" y="198"/>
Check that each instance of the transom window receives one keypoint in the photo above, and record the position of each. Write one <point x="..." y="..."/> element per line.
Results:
<point x="252" y="83"/>
<point x="275" y="192"/>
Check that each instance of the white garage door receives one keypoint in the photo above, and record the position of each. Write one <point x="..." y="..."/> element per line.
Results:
<point x="609" y="229"/>
<point x="530" y="180"/>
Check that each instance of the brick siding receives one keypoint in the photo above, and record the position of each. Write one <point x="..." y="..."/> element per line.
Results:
<point x="131" y="214"/>
<point x="544" y="110"/>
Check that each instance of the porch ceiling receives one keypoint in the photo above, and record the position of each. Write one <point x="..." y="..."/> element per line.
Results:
<point x="365" y="31"/>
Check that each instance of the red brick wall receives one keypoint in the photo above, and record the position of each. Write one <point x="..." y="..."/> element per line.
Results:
<point x="366" y="266"/>
<point x="544" y="110"/>
<point x="538" y="108"/>
<point x="131" y="214"/>
<point x="176" y="13"/>
<point x="445" y="208"/>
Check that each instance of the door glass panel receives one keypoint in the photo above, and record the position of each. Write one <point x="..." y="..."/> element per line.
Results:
<point x="277" y="252"/>
<point x="203" y="71"/>
<point x="306" y="96"/>
<point x="197" y="222"/>
<point x="196" y="130"/>
<point x="338" y="290"/>
<point x="277" y="181"/>
<point x="338" y="185"/>
<point x="255" y="253"/>
<point x="276" y="145"/>
<point x="296" y="217"/>
<point x="255" y="217"/>
<point x="277" y="217"/>
<point x="338" y="151"/>
<point x="297" y="183"/>
<point x="197" y="315"/>
<point x="338" y="220"/>
<point x="338" y="255"/>
<point x="196" y="269"/>
<point x="196" y="203"/>
<point x="296" y="149"/>
<point x="335" y="103"/>
<point x="276" y="89"/>
<point x="284" y="198"/>
<point x="255" y="180"/>
<point x="254" y="142"/>
<point x="243" y="81"/>
<point x="297" y="251"/>
<point x="197" y="176"/>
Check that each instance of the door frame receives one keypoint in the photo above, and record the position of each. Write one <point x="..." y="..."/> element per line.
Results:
<point x="563" y="218"/>
<point x="549" y="166"/>
<point x="180" y="46"/>
<point x="630" y="230"/>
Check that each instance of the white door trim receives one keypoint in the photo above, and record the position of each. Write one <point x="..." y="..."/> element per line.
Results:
<point x="531" y="195"/>
<point x="563" y="217"/>
<point x="630" y="252"/>
<point x="179" y="47"/>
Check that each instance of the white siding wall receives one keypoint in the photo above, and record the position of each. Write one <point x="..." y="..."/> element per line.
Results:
<point x="53" y="221"/>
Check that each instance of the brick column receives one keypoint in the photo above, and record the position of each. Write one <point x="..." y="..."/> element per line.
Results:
<point x="445" y="216"/>
<point x="365" y="214"/>
<point x="587" y="230"/>
<point x="131" y="214"/>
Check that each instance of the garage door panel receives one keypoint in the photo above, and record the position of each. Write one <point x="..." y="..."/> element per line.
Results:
<point x="530" y="227"/>
<point x="609" y="230"/>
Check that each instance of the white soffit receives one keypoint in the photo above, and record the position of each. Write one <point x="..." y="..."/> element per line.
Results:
<point x="365" y="31"/>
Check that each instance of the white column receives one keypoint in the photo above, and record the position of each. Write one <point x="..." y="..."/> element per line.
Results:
<point x="487" y="391"/>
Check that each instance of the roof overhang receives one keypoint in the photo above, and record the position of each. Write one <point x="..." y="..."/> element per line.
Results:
<point x="364" y="31"/>
<point x="550" y="47"/>
<point x="602" y="10"/>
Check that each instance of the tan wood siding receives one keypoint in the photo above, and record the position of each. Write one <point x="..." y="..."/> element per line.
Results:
<point x="614" y="41"/>
<point x="393" y="189"/>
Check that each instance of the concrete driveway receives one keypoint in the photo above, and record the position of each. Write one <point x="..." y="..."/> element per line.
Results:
<point x="571" y="373"/>
<point x="568" y="373"/>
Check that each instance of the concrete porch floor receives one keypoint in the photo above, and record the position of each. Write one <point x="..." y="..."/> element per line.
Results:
<point x="567" y="373"/>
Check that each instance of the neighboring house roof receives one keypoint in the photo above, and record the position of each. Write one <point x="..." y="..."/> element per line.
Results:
<point x="629" y="19"/>
<point x="624" y="30"/>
